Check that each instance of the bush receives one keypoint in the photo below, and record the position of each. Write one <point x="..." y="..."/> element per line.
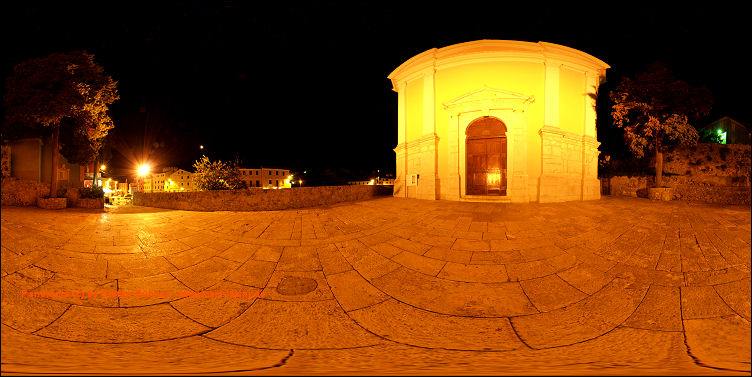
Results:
<point x="216" y="175"/>
<point x="93" y="192"/>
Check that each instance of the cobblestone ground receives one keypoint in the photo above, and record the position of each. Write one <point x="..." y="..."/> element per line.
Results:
<point x="615" y="286"/>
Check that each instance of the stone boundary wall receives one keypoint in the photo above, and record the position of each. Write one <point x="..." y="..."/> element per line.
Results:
<point x="256" y="199"/>
<point x="22" y="192"/>
<point x="719" y="190"/>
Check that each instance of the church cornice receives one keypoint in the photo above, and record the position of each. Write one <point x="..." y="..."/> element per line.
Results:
<point x="487" y="50"/>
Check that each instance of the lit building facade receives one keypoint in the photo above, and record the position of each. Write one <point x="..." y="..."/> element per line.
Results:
<point x="375" y="181"/>
<point x="498" y="120"/>
<point x="179" y="181"/>
<point x="266" y="178"/>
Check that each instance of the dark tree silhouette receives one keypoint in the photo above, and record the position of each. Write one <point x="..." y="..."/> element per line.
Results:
<point x="655" y="109"/>
<point x="68" y="91"/>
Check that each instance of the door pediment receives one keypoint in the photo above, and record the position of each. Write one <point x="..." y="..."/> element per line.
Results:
<point x="486" y="98"/>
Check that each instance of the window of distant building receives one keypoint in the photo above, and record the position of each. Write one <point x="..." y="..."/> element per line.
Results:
<point x="276" y="183"/>
<point x="270" y="181"/>
<point x="258" y="184"/>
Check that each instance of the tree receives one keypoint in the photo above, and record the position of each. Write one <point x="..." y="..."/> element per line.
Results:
<point x="216" y="175"/>
<point x="655" y="109"/>
<point x="68" y="91"/>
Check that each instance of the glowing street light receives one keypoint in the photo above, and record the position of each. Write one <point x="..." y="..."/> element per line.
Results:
<point x="143" y="170"/>
<point x="103" y="167"/>
<point x="200" y="147"/>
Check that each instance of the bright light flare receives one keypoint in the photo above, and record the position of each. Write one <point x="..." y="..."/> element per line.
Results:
<point x="143" y="169"/>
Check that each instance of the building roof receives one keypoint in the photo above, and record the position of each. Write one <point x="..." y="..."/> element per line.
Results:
<point x="727" y="120"/>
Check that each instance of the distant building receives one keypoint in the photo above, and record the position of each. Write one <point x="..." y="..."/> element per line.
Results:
<point x="180" y="180"/>
<point x="158" y="181"/>
<point x="730" y="130"/>
<point x="266" y="178"/>
<point x="170" y="180"/>
<point x="125" y="187"/>
<point x="375" y="181"/>
<point x="177" y="180"/>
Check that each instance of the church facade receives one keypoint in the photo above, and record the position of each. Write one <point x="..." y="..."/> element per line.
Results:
<point x="496" y="120"/>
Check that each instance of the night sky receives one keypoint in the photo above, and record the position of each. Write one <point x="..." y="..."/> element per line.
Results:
<point x="303" y="85"/>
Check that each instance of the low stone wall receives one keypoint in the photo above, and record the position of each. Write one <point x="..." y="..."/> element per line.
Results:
<point x="21" y="192"/>
<point x="256" y="199"/>
<point x="90" y="203"/>
<point x="719" y="190"/>
<point x="52" y="203"/>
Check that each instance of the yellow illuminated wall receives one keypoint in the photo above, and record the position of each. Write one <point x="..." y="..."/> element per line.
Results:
<point x="521" y="77"/>
<point x="414" y="109"/>
<point x="571" y="100"/>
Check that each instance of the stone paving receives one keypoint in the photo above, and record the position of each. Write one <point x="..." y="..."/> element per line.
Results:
<point x="384" y="286"/>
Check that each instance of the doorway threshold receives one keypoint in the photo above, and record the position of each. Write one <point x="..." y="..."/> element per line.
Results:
<point x="487" y="198"/>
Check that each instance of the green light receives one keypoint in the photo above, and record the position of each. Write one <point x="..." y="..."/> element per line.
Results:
<point x="720" y="132"/>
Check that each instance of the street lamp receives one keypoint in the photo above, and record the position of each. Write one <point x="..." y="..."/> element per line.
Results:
<point x="143" y="170"/>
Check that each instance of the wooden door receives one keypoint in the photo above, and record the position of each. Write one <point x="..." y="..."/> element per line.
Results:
<point x="486" y="166"/>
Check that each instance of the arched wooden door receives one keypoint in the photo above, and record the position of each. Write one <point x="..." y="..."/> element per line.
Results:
<point x="486" y="157"/>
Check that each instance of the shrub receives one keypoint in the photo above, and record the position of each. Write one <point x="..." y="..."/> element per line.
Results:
<point x="216" y="175"/>
<point x="93" y="192"/>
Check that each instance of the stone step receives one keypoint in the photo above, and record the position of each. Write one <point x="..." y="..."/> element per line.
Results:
<point x="486" y="199"/>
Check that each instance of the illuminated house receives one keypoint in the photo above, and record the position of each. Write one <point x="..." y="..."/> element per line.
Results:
<point x="375" y="181"/>
<point x="498" y="120"/>
<point x="179" y="180"/>
<point x="266" y="178"/>
<point x="729" y="131"/>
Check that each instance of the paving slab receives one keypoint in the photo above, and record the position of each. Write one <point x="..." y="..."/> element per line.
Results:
<point x="385" y="286"/>
<point x="121" y="325"/>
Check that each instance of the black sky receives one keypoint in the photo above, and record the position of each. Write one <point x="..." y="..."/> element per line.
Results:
<point x="303" y="85"/>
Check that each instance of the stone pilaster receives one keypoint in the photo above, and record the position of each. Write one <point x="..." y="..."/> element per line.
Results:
<point x="428" y="182"/>
<point x="400" y="189"/>
<point x="554" y="182"/>
<point x="451" y="187"/>
<point x="517" y="183"/>
<point x="591" y="88"/>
